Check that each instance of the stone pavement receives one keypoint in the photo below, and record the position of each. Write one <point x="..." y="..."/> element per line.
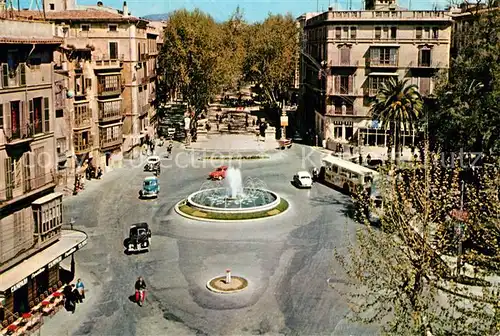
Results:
<point x="234" y="142"/>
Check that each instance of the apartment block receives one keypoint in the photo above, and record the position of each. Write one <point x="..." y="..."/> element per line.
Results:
<point x="351" y="53"/>
<point x="32" y="241"/>
<point x="107" y="71"/>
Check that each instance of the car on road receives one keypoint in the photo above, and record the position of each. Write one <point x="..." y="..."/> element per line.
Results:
<point x="139" y="238"/>
<point x="218" y="174"/>
<point x="302" y="179"/>
<point x="150" y="187"/>
<point x="153" y="164"/>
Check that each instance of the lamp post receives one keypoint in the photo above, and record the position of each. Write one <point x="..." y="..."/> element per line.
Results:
<point x="71" y="222"/>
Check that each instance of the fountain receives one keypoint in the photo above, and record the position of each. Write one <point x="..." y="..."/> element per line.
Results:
<point x="234" y="196"/>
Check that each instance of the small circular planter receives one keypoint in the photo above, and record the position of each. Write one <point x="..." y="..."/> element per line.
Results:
<point x="219" y="285"/>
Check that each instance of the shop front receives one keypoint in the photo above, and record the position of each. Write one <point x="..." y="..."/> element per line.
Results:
<point x="23" y="285"/>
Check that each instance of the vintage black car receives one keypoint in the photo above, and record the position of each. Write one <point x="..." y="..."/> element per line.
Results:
<point x="153" y="164"/>
<point x="139" y="238"/>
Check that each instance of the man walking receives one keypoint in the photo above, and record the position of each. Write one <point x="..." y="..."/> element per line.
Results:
<point x="140" y="288"/>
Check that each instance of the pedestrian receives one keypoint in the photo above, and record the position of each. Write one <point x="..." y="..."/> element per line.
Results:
<point x="69" y="302"/>
<point x="80" y="287"/>
<point x="2" y="312"/>
<point x="140" y="287"/>
<point x="99" y="173"/>
<point x="351" y="149"/>
<point x="217" y="117"/>
<point x="217" y="126"/>
<point x="76" y="294"/>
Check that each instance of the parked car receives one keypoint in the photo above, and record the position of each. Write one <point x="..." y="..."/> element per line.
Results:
<point x="153" y="164"/>
<point x="218" y="174"/>
<point x="139" y="238"/>
<point x="150" y="187"/>
<point x="302" y="179"/>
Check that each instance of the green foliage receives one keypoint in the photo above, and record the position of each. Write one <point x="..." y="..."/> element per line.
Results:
<point x="272" y="49"/>
<point x="190" y="61"/>
<point x="467" y="108"/>
<point x="405" y="273"/>
<point x="397" y="104"/>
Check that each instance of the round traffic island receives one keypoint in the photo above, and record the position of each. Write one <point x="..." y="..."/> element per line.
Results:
<point x="221" y="286"/>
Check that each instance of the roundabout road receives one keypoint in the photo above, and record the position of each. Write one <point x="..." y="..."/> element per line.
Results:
<point x="286" y="259"/>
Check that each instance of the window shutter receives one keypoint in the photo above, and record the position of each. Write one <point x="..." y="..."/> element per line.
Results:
<point x="337" y="84"/>
<point x="375" y="54"/>
<point x="349" y="86"/>
<point x="6" y="121"/>
<point x="22" y="70"/>
<point x="393" y="55"/>
<point x="31" y="115"/>
<point x="23" y="117"/>
<point x="5" y="73"/>
<point x="46" y="114"/>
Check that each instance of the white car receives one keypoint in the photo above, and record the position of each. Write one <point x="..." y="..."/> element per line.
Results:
<point x="302" y="179"/>
<point x="152" y="163"/>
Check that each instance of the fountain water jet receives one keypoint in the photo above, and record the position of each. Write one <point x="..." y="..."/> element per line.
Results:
<point x="235" y="182"/>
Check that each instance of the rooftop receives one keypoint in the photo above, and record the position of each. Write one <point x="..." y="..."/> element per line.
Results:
<point x="25" y="32"/>
<point x="88" y="14"/>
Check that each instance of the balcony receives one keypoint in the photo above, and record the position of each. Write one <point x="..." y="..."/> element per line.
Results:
<point x="82" y="142"/>
<point x="16" y="134"/>
<point x="109" y="84"/>
<point x="343" y="63"/>
<point x="382" y="63"/>
<point x="370" y="92"/>
<point x="110" y="110"/>
<point x="11" y="78"/>
<point x="110" y="136"/>
<point x="343" y="92"/>
<point x="104" y="61"/>
<point x="424" y="65"/>
<point x="26" y="186"/>
<point x="83" y="116"/>
<point x="332" y="110"/>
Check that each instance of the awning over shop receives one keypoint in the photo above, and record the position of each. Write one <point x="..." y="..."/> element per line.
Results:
<point x="383" y="74"/>
<point x="16" y="277"/>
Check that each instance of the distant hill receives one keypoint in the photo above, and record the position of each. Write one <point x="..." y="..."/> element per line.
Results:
<point x="157" y="17"/>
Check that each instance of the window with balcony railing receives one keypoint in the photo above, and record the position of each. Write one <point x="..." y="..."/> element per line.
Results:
<point x="110" y="110"/>
<point x="424" y="58"/>
<point x="383" y="56"/>
<point x="82" y="141"/>
<point x="13" y="77"/>
<point x="375" y="84"/>
<point x="82" y="115"/>
<point x="111" y="135"/>
<point x="343" y="84"/>
<point x="109" y="84"/>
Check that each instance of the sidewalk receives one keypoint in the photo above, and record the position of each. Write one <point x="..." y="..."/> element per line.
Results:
<point x="375" y="152"/>
<point x="234" y="142"/>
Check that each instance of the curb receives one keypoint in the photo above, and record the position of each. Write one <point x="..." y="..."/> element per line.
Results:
<point x="179" y="212"/>
<point x="215" y="290"/>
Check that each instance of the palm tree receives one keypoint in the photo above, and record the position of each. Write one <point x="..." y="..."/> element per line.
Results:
<point x="396" y="104"/>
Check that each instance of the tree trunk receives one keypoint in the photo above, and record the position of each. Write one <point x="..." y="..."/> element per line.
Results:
<point x="397" y="141"/>
<point x="389" y="143"/>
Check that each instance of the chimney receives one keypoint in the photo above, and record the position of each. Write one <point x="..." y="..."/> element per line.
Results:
<point x="125" y="9"/>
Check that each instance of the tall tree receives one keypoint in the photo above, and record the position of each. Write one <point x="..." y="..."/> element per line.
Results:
<point x="405" y="276"/>
<point x="468" y="109"/>
<point x="190" y="61"/>
<point x="397" y="105"/>
<point x="272" y="50"/>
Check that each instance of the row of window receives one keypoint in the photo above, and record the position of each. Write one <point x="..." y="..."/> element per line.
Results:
<point x="18" y="124"/>
<point x="343" y="84"/>
<point x="386" y="32"/>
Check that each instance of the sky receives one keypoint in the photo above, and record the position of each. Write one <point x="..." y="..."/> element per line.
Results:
<point x="254" y="10"/>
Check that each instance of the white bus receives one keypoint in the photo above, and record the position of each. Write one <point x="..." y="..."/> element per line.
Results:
<point x="347" y="175"/>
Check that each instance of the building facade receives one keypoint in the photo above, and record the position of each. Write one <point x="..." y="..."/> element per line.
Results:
<point x="31" y="235"/>
<point x="354" y="52"/>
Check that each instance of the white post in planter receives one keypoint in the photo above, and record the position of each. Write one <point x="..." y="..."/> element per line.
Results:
<point x="228" y="276"/>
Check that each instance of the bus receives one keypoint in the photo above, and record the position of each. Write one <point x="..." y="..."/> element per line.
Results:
<point x="347" y="175"/>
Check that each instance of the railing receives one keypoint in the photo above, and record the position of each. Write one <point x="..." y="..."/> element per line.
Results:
<point x="105" y="142"/>
<point x="81" y="146"/>
<point x="12" y="77"/>
<point x="27" y="184"/>
<point x="14" y="133"/>
<point x="344" y="63"/>
<point x="83" y="119"/>
<point x="104" y="88"/>
<point x="370" y="92"/>
<point x="107" y="61"/>
<point x="381" y="14"/>
<point x="108" y="114"/>
<point x="377" y="62"/>
<point x="420" y="64"/>
<point x="343" y="92"/>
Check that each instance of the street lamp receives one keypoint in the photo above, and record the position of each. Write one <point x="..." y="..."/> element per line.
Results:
<point x="71" y="222"/>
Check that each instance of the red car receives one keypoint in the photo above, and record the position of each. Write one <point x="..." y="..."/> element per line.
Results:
<point x="218" y="174"/>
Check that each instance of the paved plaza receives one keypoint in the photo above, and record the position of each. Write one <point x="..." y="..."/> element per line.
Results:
<point x="286" y="260"/>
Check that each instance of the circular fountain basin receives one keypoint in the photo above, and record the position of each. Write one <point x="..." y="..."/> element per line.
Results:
<point x="216" y="200"/>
